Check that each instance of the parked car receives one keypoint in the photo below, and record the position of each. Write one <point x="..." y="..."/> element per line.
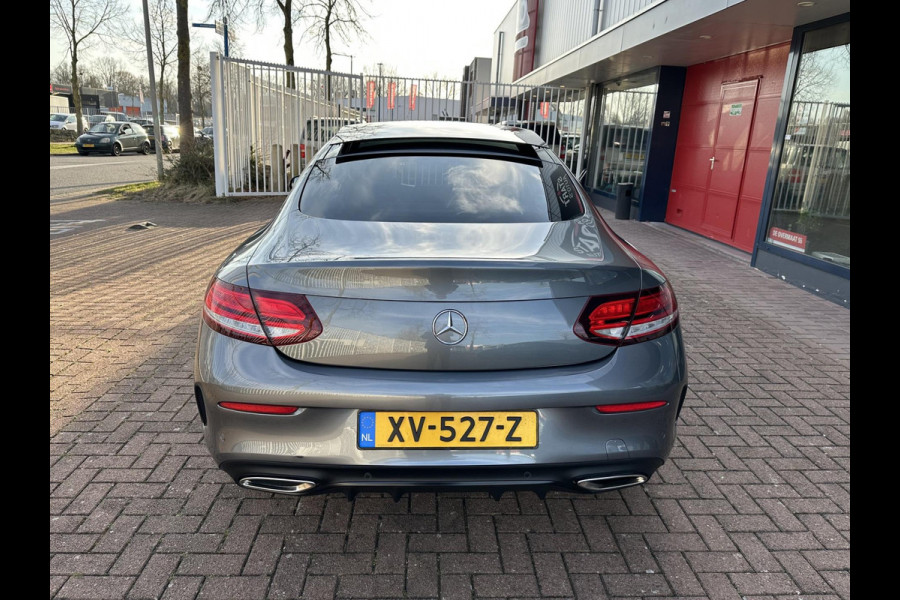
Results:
<point x="89" y="121"/>
<point x="113" y="137"/>
<point x="438" y="305"/>
<point x="170" y="140"/>
<point x="142" y="122"/>
<point x="62" y="121"/>
<point x="118" y="116"/>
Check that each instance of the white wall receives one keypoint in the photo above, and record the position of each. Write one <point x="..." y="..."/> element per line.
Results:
<point x="562" y="25"/>
<point x="508" y="27"/>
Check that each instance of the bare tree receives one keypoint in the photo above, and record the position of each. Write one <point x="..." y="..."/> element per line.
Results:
<point x="816" y="75"/>
<point x="108" y="67"/>
<point x="128" y="82"/>
<point x="186" y="116"/>
<point x="330" y="19"/>
<point x="80" y="21"/>
<point x="162" y="40"/>
<point x="200" y="83"/>
<point x="235" y="13"/>
<point x="61" y="73"/>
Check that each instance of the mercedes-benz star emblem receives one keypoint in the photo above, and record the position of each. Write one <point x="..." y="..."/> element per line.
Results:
<point x="450" y="327"/>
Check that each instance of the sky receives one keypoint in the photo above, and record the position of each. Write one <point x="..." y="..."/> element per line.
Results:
<point x="418" y="38"/>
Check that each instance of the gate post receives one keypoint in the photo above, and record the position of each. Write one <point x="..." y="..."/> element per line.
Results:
<point x="277" y="174"/>
<point x="217" y="95"/>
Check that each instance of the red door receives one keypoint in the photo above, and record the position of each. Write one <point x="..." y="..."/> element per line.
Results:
<point x="729" y="154"/>
<point x="709" y="172"/>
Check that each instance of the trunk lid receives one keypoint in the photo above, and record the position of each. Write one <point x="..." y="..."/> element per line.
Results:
<point x="384" y="292"/>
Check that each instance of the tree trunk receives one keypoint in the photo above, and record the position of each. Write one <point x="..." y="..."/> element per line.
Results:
<point x="186" y="119"/>
<point x="288" y="39"/>
<point x="328" y="51"/>
<point x="76" y="92"/>
<point x="161" y="93"/>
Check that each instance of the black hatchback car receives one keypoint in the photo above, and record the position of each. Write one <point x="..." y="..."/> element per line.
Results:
<point x="114" y="138"/>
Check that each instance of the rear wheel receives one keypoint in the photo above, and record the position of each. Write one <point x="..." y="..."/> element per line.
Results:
<point x="145" y="148"/>
<point x="116" y="150"/>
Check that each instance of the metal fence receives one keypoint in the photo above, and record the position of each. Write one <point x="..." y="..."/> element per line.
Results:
<point x="814" y="174"/>
<point x="269" y="119"/>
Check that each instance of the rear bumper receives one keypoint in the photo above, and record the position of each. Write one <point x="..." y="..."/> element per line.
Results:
<point x="94" y="148"/>
<point x="396" y="480"/>
<point x="319" y="442"/>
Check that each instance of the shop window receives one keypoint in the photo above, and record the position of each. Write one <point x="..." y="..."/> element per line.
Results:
<point x="811" y="204"/>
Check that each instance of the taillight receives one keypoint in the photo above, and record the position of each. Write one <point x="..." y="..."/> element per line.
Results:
<point x="302" y="150"/>
<point x="627" y="319"/>
<point x="261" y="317"/>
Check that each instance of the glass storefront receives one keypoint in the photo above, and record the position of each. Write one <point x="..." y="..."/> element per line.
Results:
<point x="623" y="133"/>
<point x="811" y="204"/>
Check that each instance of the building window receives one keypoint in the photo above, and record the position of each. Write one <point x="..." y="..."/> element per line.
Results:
<point x="623" y="133"/>
<point x="811" y="203"/>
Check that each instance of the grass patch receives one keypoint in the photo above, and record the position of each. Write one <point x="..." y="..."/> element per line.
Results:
<point x="166" y="191"/>
<point x="130" y="190"/>
<point x="63" y="148"/>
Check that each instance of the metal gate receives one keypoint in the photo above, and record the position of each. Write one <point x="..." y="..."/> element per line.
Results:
<point x="269" y="119"/>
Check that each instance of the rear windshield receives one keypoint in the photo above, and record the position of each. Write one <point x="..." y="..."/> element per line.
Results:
<point x="439" y="189"/>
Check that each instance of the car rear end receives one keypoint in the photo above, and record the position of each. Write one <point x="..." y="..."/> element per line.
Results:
<point x="434" y="314"/>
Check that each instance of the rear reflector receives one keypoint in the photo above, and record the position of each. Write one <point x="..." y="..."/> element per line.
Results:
<point x="630" y="407"/>
<point x="259" y="316"/>
<point x="262" y="409"/>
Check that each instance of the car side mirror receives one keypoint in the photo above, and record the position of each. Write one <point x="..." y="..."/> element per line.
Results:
<point x="292" y="182"/>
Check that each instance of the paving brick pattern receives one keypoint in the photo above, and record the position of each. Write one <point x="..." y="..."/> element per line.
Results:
<point x="754" y="502"/>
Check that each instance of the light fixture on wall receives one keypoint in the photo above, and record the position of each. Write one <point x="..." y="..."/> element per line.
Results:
<point x="705" y="36"/>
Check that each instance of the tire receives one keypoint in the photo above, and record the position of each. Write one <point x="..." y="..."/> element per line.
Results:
<point x="145" y="148"/>
<point x="116" y="150"/>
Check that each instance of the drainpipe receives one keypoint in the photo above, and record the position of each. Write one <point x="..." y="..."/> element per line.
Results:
<point x="598" y="17"/>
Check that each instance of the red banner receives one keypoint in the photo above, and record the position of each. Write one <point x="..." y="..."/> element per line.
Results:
<point x="392" y="95"/>
<point x="413" y="88"/>
<point x="370" y="94"/>
<point x="526" y="36"/>
<point x="545" y="110"/>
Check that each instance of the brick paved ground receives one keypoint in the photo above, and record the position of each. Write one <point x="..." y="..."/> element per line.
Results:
<point x="754" y="502"/>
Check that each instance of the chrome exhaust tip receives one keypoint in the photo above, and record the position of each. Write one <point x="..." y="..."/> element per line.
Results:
<point x="277" y="485"/>
<point x="604" y="484"/>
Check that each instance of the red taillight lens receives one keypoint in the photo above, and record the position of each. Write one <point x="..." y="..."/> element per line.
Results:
<point x="628" y="319"/>
<point x="629" y="407"/>
<point x="302" y="150"/>
<point x="605" y="318"/>
<point x="261" y="317"/>
<point x="656" y="314"/>
<point x="262" y="409"/>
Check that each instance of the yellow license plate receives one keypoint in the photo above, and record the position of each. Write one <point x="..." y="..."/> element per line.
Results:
<point x="424" y="430"/>
<point x="88" y="145"/>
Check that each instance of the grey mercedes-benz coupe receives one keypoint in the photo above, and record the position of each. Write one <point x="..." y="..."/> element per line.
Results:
<point x="438" y="306"/>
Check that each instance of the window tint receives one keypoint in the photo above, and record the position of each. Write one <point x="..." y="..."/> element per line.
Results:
<point x="439" y="189"/>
